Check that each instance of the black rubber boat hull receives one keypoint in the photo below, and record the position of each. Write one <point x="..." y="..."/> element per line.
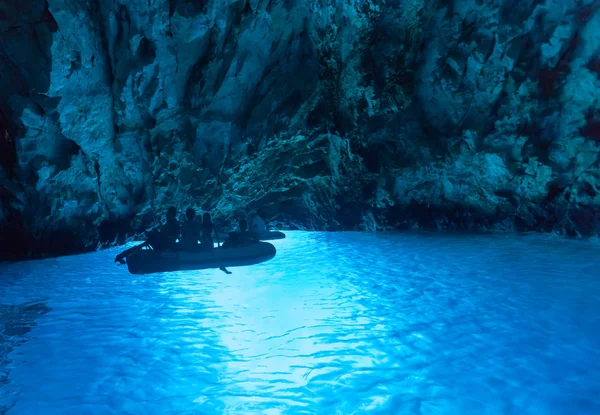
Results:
<point x="150" y="261"/>
<point x="265" y="236"/>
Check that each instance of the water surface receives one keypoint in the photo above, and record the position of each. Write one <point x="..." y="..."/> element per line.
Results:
<point x="337" y="323"/>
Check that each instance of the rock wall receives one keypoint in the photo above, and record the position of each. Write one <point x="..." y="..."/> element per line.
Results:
<point x="363" y="114"/>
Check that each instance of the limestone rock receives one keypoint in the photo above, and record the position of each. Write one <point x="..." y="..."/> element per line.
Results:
<point x="364" y="114"/>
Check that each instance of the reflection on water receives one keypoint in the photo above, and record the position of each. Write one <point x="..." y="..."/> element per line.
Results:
<point x="341" y="323"/>
<point x="16" y="321"/>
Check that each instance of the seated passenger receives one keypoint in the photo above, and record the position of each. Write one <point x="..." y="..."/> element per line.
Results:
<point x="207" y="229"/>
<point x="168" y="234"/>
<point x="245" y="236"/>
<point x="257" y="224"/>
<point x="190" y="231"/>
<point x="240" y="238"/>
<point x="171" y="229"/>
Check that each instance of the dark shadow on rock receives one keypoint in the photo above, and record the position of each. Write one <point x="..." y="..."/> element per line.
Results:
<point x="17" y="244"/>
<point x="8" y="154"/>
<point x="26" y="36"/>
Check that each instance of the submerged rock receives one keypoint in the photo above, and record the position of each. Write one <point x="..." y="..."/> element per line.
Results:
<point x="362" y="115"/>
<point x="16" y="321"/>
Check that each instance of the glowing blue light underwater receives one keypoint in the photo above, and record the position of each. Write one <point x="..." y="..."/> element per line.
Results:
<point x="335" y="323"/>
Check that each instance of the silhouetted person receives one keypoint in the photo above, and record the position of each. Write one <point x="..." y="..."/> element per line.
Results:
<point x="257" y="224"/>
<point x="166" y="237"/>
<point x="190" y="231"/>
<point x="208" y="229"/>
<point x="240" y="238"/>
<point x="171" y="229"/>
<point x="206" y="241"/>
<point x="243" y="226"/>
<point x="161" y="240"/>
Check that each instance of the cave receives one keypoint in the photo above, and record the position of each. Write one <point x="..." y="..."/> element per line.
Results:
<point x="291" y="207"/>
<point x="116" y="116"/>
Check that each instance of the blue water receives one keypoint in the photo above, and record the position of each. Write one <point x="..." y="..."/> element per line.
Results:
<point x="342" y="323"/>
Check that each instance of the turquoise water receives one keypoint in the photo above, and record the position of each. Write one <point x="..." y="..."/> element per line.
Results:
<point x="342" y="323"/>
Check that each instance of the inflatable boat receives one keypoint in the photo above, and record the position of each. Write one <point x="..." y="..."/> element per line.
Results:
<point x="147" y="261"/>
<point x="263" y="236"/>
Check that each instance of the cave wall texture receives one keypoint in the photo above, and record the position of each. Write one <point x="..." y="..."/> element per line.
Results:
<point x="326" y="114"/>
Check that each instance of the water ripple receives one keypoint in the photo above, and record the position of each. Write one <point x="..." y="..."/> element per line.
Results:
<point x="336" y="324"/>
